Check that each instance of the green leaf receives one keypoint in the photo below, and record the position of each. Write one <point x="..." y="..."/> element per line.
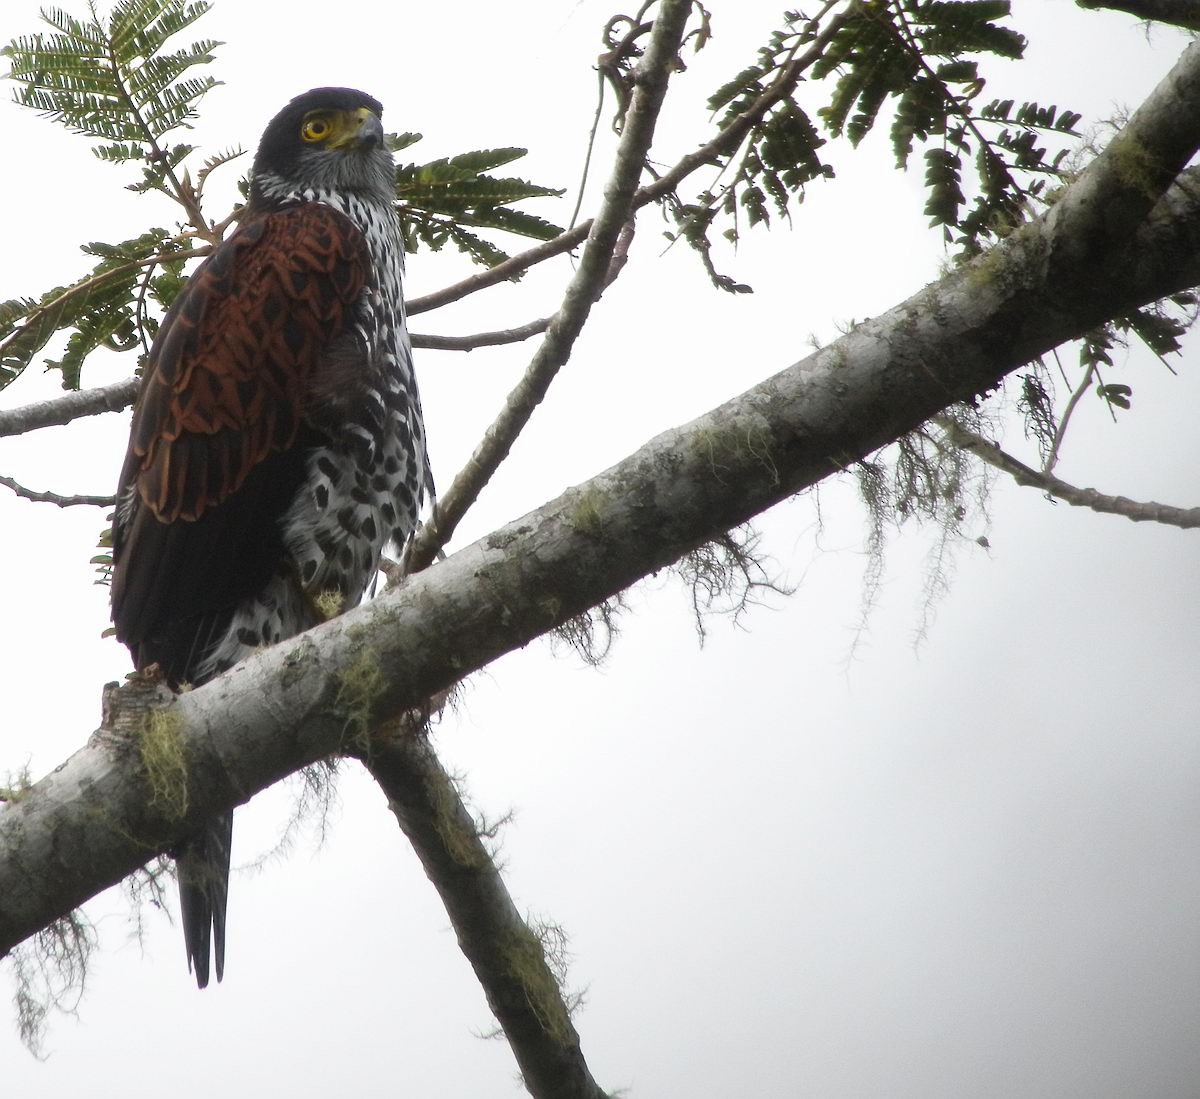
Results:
<point x="97" y="310"/>
<point x="1115" y="394"/>
<point x="115" y="81"/>
<point x="442" y="201"/>
<point x="943" y="177"/>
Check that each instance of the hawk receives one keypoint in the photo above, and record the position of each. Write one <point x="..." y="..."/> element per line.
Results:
<point x="277" y="442"/>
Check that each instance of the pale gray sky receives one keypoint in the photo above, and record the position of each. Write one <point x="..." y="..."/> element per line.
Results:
<point x="965" y="869"/>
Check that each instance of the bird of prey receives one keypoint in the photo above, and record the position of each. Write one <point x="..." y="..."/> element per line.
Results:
<point x="277" y="442"/>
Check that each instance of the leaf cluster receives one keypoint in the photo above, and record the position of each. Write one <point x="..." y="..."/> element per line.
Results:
<point x="105" y="308"/>
<point x="920" y="58"/>
<point x="1160" y="326"/>
<point x="116" y="81"/>
<point x="447" y="200"/>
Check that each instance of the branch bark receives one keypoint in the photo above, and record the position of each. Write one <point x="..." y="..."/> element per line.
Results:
<point x="1182" y="13"/>
<point x="70" y="406"/>
<point x="54" y="498"/>
<point x="1123" y="184"/>
<point x="1139" y="511"/>
<point x="482" y="339"/>
<point x="90" y="822"/>
<point x="506" y="955"/>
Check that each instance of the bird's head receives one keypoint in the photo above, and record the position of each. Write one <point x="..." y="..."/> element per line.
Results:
<point x="326" y="139"/>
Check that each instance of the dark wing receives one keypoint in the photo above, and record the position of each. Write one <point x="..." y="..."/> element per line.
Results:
<point x="219" y="439"/>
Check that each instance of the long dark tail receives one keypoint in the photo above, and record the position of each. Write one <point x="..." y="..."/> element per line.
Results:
<point x="203" y="864"/>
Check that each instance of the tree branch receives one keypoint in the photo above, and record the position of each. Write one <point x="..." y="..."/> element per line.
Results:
<point x="1121" y="186"/>
<point x="70" y="406"/>
<point x="589" y="280"/>
<point x="1182" y="13"/>
<point x="505" y="953"/>
<point x="55" y="498"/>
<point x="511" y="268"/>
<point x="120" y="395"/>
<point x="989" y="452"/>
<point x="482" y="339"/>
<point x="1068" y="412"/>
<point x="90" y="822"/>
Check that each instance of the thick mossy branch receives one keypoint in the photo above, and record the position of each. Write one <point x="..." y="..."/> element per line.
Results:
<point x="525" y="962"/>
<point x="457" y="832"/>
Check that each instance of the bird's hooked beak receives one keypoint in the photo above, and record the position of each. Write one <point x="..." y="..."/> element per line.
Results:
<point x="363" y="131"/>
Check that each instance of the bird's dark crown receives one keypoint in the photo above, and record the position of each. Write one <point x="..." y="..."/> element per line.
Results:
<point x="280" y="144"/>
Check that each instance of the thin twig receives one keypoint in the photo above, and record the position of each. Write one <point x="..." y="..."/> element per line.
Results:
<point x="481" y="339"/>
<point x="55" y="498"/>
<point x="609" y="227"/>
<point x="1140" y="512"/>
<point x="1056" y="443"/>
<point x="591" y="145"/>
<point x="511" y="268"/>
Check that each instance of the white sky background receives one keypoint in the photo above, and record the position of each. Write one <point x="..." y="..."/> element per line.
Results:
<point x="965" y="869"/>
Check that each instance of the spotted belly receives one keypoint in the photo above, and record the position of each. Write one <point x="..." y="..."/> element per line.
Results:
<point x="354" y="502"/>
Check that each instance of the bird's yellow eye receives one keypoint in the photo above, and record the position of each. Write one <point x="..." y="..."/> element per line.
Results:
<point x="316" y="129"/>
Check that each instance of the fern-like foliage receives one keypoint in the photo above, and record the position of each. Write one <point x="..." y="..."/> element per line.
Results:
<point x="105" y="308"/>
<point x="920" y="59"/>
<point x="447" y="199"/>
<point x="116" y="81"/>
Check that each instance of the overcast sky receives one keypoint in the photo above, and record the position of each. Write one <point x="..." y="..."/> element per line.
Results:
<point x="967" y="868"/>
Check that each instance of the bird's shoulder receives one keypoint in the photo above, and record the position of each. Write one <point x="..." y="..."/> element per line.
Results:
<point x="229" y="372"/>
